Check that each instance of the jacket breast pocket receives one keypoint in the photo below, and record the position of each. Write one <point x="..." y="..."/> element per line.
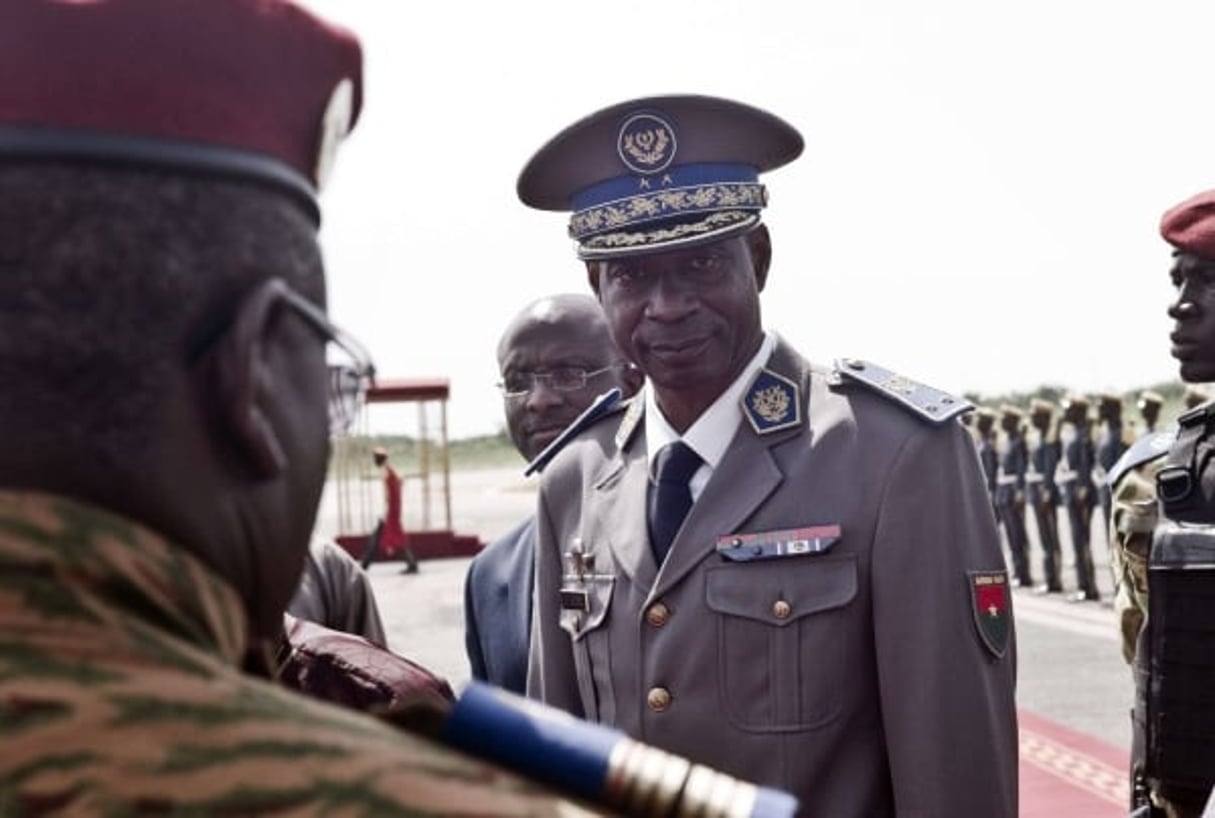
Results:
<point x="783" y="639"/>
<point x="585" y="624"/>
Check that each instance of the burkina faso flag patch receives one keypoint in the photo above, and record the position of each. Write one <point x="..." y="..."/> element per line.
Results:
<point x="992" y="609"/>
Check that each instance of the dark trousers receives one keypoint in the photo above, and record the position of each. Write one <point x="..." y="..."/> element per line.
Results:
<point x="1048" y="534"/>
<point x="1080" y="516"/>
<point x="1107" y="502"/>
<point x="1012" y="515"/>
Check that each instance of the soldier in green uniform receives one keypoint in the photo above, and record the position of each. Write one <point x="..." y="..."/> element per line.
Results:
<point x="1134" y="516"/>
<point x="1171" y="759"/>
<point x="163" y="345"/>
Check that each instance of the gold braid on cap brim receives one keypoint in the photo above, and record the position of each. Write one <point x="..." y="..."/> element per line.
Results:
<point x="720" y="225"/>
<point x="667" y="204"/>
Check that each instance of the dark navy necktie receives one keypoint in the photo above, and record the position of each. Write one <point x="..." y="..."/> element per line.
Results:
<point x="670" y="498"/>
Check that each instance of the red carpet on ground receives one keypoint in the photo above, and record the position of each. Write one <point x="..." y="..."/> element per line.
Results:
<point x="1065" y="773"/>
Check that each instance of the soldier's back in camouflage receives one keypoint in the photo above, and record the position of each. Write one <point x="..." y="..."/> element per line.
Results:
<point x="171" y="384"/>
<point x="121" y="694"/>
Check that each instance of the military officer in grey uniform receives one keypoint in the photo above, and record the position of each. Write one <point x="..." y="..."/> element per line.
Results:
<point x="1010" y="491"/>
<point x="824" y="619"/>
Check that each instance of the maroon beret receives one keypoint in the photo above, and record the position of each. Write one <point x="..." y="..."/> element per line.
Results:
<point x="1190" y="226"/>
<point x="256" y="89"/>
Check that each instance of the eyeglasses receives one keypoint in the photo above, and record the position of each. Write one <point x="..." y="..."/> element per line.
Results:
<point x="350" y="368"/>
<point x="563" y="379"/>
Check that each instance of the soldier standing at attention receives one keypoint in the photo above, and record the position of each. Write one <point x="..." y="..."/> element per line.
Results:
<point x="985" y="441"/>
<point x="1150" y="403"/>
<point x="1075" y="479"/>
<point x="1010" y="492"/>
<point x="967" y="419"/>
<point x="168" y="364"/>
<point x="1111" y="443"/>
<point x="728" y="567"/>
<point x="1194" y="396"/>
<point x="1043" y="494"/>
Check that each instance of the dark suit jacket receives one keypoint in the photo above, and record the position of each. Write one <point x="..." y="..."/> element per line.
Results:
<point x="498" y="608"/>
<point x="856" y="678"/>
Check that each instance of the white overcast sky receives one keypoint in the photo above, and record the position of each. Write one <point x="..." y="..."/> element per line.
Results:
<point x="977" y="205"/>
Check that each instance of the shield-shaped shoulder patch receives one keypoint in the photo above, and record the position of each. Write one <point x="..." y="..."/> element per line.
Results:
<point x="991" y="608"/>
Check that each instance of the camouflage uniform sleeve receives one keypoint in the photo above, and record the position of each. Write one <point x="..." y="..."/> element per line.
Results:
<point x="1132" y="520"/>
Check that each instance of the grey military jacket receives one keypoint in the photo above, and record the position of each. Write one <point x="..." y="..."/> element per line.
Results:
<point x="864" y="677"/>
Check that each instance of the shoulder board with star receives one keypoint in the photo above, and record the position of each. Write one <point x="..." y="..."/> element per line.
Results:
<point x="923" y="401"/>
<point x="1147" y="448"/>
<point x="605" y="404"/>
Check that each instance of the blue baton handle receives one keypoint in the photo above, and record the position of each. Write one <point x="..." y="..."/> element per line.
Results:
<point x="599" y="764"/>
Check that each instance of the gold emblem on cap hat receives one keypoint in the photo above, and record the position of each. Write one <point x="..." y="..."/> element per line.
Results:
<point x="647" y="147"/>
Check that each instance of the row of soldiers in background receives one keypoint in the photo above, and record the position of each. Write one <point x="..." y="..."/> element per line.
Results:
<point x="1061" y="464"/>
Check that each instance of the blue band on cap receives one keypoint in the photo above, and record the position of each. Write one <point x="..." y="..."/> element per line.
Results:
<point x="702" y="173"/>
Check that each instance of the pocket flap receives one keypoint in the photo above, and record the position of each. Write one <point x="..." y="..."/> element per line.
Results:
<point x="781" y="591"/>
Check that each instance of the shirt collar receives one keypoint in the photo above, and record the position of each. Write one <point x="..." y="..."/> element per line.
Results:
<point x="710" y="434"/>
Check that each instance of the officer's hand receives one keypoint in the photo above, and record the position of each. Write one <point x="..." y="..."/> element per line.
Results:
<point x="1082" y="493"/>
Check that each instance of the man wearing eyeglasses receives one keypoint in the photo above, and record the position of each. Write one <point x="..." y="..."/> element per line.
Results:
<point x="555" y="356"/>
<point x="163" y="347"/>
<point x="787" y="571"/>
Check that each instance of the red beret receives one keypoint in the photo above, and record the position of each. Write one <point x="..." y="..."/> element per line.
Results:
<point x="1190" y="226"/>
<point x="257" y="89"/>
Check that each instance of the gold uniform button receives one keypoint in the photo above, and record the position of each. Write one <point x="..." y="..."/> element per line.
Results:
<point x="657" y="615"/>
<point x="781" y="609"/>
<point x="658" y="699"/>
